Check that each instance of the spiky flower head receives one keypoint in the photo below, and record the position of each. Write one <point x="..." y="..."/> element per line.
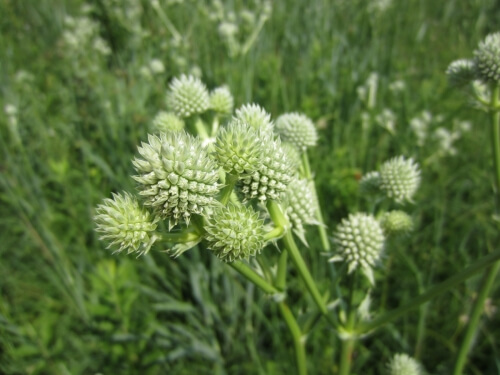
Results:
<point x="293" y="153"/>
<point x="300" y="205"/>
<point x="221" y="100"/>
<point x="255" y="116"/>
<point x="176" y="176"/>
<point x="487" y="58"/>
<point x="360" y="241"/>
<point x="400" y="178"/>
<point x="396" y="222"/>
<point x="234" y="232"/>
<point x="275" y="173"/>
<point x="298" y="129"/>
<point x="167" y="121"/>
<point x="187" y="96"/>
<point x="125" y="224"/>
<point x="370" y="183"/>
<point x="461" y="72"/>
<point x="238" y="148"/>
<point x="403" y="364"/>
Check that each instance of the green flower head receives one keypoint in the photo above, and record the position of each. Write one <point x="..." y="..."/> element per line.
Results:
<point x="396" y="222"/>
<point x="403" y="364"/>
<point x="221" y="101"/>
<point x="176" y="176"/>
<point x="234" y="232"/>
<point x="360" y="241"/>
<point x="461" y="72"/>
<point x="167" y="121"/>
<point x="487" y="58"/>
<point x="298" y="129"/>
<point x="400" y="179"/>
<point x="370" y="183"/>
<point x="187" y="96"/>
<point x="125" y="225"/>
<point x="255" y="116"/>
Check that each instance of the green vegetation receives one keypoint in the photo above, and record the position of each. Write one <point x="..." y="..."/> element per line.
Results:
<point x="80" y="85"/>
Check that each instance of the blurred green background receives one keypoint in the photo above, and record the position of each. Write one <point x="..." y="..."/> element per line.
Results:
<point x="80" y="82"/>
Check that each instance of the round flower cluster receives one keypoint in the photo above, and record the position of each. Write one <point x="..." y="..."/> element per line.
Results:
<point x="298" y="129"/>
<point x="461" y="72"/>
<point x="360" y="241"/>
<point x="176" y="176"/>
<point x="403" y="364"/>
<point x="221" y="101"/>
<point x="125" y="225"/>
<point x="394" y="222"/>
<point x="487" y="58"/>
<point x="234" y="232"/>
<point x="167" y="121"/>
<point x="187" y="96"/>
<point x="255" y="116"/>
<point x="400" y="178"/>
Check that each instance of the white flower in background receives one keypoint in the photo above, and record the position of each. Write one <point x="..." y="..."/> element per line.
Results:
<point x="445" y="139"/>
<point x="420" y="126"/>
<point x="397" y="86"/>
<point x="387" y="120"/>
<point x="156" y="66"/>
<point x="403" y="364"/>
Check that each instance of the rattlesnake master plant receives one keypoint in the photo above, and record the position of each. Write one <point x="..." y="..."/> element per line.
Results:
<point x="167" y="121"/>
<point x="221" y="101"/>
<point x="176" y="176"/>
<point x="187" y="96"/>
<point x="297" y="129"/>
<point x="396" y="222"/>
<point x="403" y="364"/>
<point x="400" y="179"/>
<point x="125" y="225"/>
<point x="487" y="59"/>
<point x="234" y="232"/>
<point x="461" y="72"/>
<point x="255" y="116"/>
<point x="359" y="241"/>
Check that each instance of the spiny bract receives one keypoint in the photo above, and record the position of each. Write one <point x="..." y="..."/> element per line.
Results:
<point x="176" y="176"/>
<point x="255" y="116"/>
<point x="187" y="96"/>
<point x="403" y="364"/>
<point x="125" y="224"/>
<point x="360" y="241"/>
<point x="234" y="232"/>
<point x="487" y="58"/>
<point x="238" y="148"/>
<point x="221" y="100"/>
<point x="400" y="179"/>
<point x="298" y="129"/>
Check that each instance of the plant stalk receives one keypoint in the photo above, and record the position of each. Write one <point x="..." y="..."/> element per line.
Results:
<point x="254" y="277"/>
<point x="298" y="342"/>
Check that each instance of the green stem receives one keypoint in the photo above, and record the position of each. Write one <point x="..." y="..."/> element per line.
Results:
<point x="254" y="277"/>
<point x="319" y="216"/>
<point x="228" y="188"/>
<point x="281" y="274"/>
<point x="478" y="266"/>
<point x="298" y="342"/>
<point x="169" y="25"/>
<point x="189" y="235"/>
<point x="349" y="342"/>
<point x="253" y="37"/>
<point x="489" y="277"/>
<point x="486" y="285"/>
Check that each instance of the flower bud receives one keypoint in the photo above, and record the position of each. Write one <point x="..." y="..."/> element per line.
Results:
<point x="176" y="176"/>
<point x="403" y="364"/>
<point x="255" y="116"/>
<point x="396" y="222"/>
<point x="167" y="121"/>
<point x="221" y="101"/>
<point x="297" y="129"/>
<point x="487" y="58"/>
<point x="400" y="179"/>
<point x="370" y="183"/>
<point x="125" y="225"/>
<point x="187" y="96"/>
<point x="461" y="72"/>
<point x="360" y="241"/>
<point x="234" y="232"/>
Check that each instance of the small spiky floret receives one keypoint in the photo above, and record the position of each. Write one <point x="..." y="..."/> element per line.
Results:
<point x="370" y="183"/>
<point x="403" y="364"/>
<point x="221" y="100"/>
<point x="255" y="116"/>
<point x="167" y="121"/>
<point x="300" y="205"/>
<point x="400" y="178"/>
<point x="487" y="58"/>
<point x="461" y="72"/>
<point x="275" y="173"/>
<point x="187" y="96"/>
<point x="293" y="153"/>
<point x="360" y="241"/>
<point x="395" y="222"/>
<point x="298" y="129"/>
<point x="176" y="176"/>
<point x="125" y="225"/>
<point x="238" y="148"/>
<point x="234" y="232"/>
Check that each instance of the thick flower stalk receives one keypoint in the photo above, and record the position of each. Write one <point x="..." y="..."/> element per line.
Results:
<point x="297" y="129"/>
<point x="255" y="116"/>
<point x="221" y="101"/>
<point x="176" y="176"/>
<point x="167" y="121"/>
<point x="125" y="224"/>
<point x="400" y="179"/>
<point x="187" y="96"/>
<point x="487" y="59"/>
<point x="359" y="240"/>
<point x="403" y="364"/>
<point x="234" y="232"/>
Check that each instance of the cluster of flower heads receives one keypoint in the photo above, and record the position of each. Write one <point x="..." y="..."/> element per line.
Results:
<point x="179" y="180"/>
